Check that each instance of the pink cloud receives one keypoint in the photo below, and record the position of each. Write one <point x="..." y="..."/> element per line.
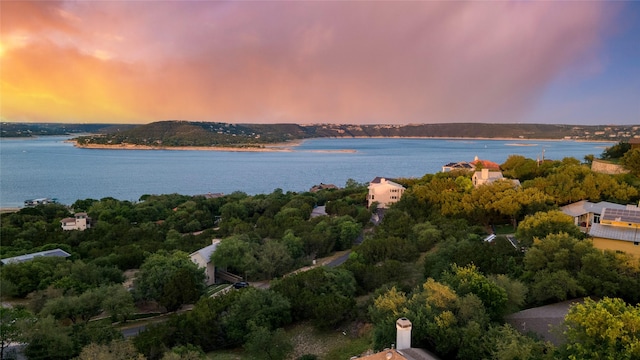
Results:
<point x="350" y="62"/>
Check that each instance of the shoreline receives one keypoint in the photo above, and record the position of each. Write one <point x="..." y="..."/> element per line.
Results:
<point x="276" y="147"/>
<point x="289" y="146"/>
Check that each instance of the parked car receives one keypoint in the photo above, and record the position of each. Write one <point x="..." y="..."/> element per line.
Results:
<point x="241" y="284"/>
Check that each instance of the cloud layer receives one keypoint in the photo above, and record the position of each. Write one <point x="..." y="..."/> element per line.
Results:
<point x="253" y="62"/>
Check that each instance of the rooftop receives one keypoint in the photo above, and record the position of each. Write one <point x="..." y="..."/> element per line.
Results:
<point x="584" y="207"/>
<point x="207" y="251"/>
<point x="27" y="257"/>
<point x="615" y="232"/>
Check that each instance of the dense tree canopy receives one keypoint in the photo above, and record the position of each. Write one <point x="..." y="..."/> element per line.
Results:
<point x="605" y="329"/>
<point x="171" y="279"/>
<point x="425" y="260"/>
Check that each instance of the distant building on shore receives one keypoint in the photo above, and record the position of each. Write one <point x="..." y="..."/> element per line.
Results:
<point x="474" y="165"/>
<point x="323" y="186"/>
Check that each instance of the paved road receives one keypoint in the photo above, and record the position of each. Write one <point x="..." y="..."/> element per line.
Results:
<point x="133" y="331"/>
<point x="339" y="260"/>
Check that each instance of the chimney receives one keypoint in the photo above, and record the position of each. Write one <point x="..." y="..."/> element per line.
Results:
<point x="403" y="335"/>
<point x="485" y="173"/>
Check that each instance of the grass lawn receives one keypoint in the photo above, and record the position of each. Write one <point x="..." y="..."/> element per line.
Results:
<point x="215" y="288"/>
<point x="330" y="345"/>
<point x="504" y="229"/>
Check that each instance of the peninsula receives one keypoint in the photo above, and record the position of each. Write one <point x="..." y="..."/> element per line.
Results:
<point x="185" y="135"/>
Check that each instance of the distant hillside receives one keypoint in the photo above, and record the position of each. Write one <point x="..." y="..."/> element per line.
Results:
<point x="44" y="129"/>
<point x="183" y="133"/>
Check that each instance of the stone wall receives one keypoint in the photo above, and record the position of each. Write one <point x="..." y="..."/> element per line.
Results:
<point x="604" y="167"/>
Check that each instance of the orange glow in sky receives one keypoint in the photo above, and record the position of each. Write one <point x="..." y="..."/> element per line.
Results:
<point x="319" y="62"/>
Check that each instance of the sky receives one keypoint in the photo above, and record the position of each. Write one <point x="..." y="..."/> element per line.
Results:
<point x="354" y="62"/>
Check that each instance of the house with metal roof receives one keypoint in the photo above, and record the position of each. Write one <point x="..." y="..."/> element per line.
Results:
<point x="618" y="230"/>
<point x="202" y="258"/>
<point x="545" y="321"/>
<point x="586" y="213"/>
<point x="28" y="257"/>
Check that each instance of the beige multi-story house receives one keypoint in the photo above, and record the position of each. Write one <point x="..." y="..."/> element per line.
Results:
<point x="80" y="221"/>
<point x="384" y="192"/>
<point x="202" y="258"/>
<point x="485" y="176"/>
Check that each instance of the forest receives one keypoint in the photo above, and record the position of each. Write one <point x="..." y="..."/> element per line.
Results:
<point x="426" y="260"/>
<point x="185" y="133"/>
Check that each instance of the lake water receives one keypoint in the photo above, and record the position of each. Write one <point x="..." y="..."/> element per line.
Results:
<point x="50" y="167"/>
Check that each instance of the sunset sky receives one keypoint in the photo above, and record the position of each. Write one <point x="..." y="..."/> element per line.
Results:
<point x="358" y="62"/>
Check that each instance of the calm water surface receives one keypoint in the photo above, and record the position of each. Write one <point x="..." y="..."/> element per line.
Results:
<point x="50" y="167"/>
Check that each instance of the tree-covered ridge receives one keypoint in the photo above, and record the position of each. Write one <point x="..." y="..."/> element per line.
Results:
<point x="426" y="260"/>
<point x="8" y="129"/>
<point x="183" y="133"/>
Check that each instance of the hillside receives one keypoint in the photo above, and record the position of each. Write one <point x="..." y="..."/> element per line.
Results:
<point x="43" y="129"/>
<point x="183" y="133"/>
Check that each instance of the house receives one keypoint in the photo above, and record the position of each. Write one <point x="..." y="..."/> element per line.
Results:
<point x="402" y="349"/>
<point x="544" y="321"/>
<point x="202" y="258"/>
<point x="27" y="257"/>
<point x="586" y="213"/>
<point x="322" y="186"/>
<point x="485" y="176"/>
<point x="212" y="195"/>
<point x="384" y="192"/>
<point x="460" y="165"/>
<point x="485" y="164"/>
<point x="635" y="143"/>
<point x="618" y="230"/>
<point x="80" y="221"/>
<point x="471" y="166"/>
<point x="40" y="201"/>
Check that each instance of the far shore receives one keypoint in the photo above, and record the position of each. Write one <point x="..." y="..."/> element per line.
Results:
<point x="276" y="147"/>
<point x="291" y="145"/>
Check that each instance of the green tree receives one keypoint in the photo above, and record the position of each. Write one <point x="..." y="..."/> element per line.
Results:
<point x="30" y="276"/>
<point x="606" y="329"/>
<point x="118" y="302"/>
<point x="616" y="151"/>
<point x="78" y="309"/>
<point x="263" y="343"/>
<point x="325" y="296"/>
<point x="184" y="352"/>
<point x="553" y="286"/>
<point x="274" y="259"/>
<point x="425" y="236"/>
<point x="116" y="350"/>
<point x="542" y="224"/>
<point x="468" y="279"/>
<point x="262" y="308"/>
<point x="631" y="161"/>
<point x="234" y="253"/>
<point x="170" y="279"/>
<point x="10" y="326"/>
<point x="46" y="339"/>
